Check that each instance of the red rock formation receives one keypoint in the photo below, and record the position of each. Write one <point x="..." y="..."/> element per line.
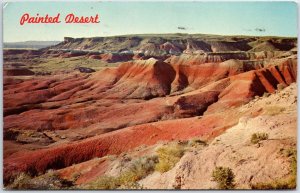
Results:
<point x="132" y="80"/>
<point x="74" y="118"/>
<point x="111" y="99"/>
<point x="111" y="143"/>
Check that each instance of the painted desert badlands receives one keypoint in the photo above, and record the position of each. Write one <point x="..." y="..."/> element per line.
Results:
<point x="170" y="111"/>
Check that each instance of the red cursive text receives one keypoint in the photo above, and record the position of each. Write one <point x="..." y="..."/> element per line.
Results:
<point x="71" y="18"/>
<point x="26" y="18"/>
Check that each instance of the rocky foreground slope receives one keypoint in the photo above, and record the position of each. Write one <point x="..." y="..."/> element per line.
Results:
<point x="265" y="162"/>
<point x="205" y="89"/>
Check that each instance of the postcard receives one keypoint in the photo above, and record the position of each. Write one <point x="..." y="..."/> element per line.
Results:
<point x="149" y="95"/>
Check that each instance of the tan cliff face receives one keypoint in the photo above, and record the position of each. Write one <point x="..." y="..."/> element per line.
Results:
<point x="146" y="91"/>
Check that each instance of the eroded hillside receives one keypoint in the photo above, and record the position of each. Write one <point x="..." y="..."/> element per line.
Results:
<point x="84" y="100"/>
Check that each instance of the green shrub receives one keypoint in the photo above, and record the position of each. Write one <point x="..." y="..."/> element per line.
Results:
<point x="257" y="137"/>
<point x="168" y="156"/>
<point x="224" y="177"/>
<point x="138" y="169"/>
<point x="104" y="182"/>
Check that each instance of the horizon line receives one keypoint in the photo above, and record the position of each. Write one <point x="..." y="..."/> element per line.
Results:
<point x="149" y="34"/>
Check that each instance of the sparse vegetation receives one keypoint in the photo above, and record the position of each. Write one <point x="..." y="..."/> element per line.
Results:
<point x="168" y="156"/>
<point x="139" y="169"/>
<point x="287" y="183"/>
<point x="21" y="182"/>
<point x="37" y="109"/>
<point x="224" y="177"/>
<point x="276" y="185"/>
<point x="273" y="110"/>
<point x="103" y="182"/>
<point x="47" y="181"/>
<point x="257" y="137"/>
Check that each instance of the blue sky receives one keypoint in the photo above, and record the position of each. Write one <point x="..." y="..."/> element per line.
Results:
<point x="118" y="18"/>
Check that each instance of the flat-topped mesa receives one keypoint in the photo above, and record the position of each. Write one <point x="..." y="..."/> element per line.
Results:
<point x="68" y="39"/>
<point x="175" y="44"/>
